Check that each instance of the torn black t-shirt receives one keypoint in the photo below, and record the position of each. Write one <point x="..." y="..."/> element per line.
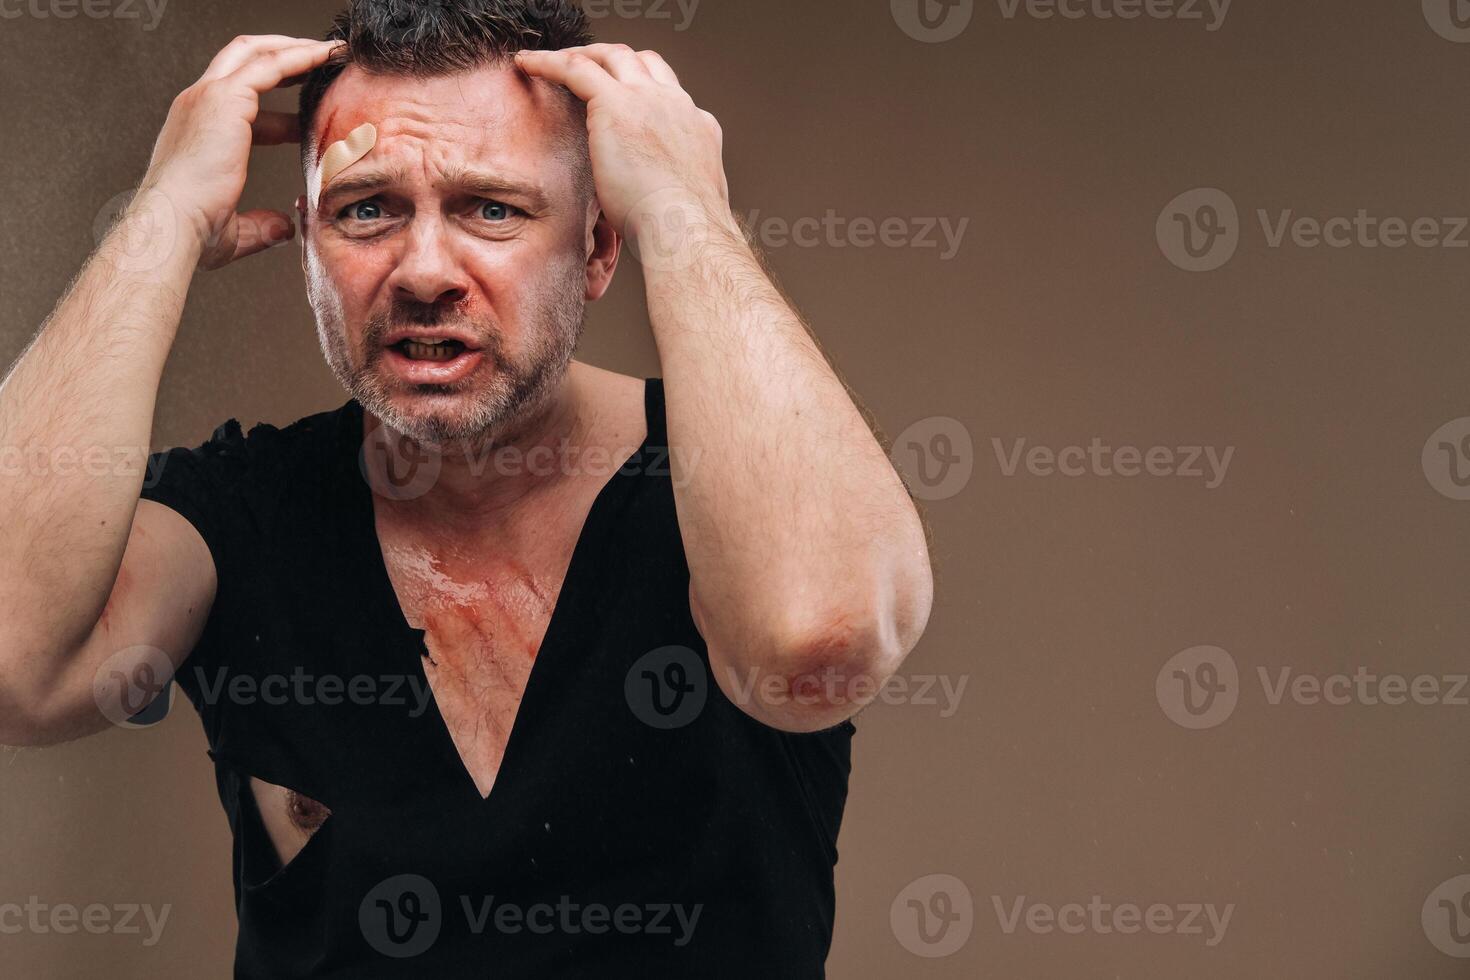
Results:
<point x="640" y="824"/>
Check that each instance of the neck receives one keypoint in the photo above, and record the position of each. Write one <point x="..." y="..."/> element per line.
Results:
<point x="480" y="481"/>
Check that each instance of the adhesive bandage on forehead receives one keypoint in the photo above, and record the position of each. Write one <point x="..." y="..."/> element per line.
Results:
<point x="343" y="154"/>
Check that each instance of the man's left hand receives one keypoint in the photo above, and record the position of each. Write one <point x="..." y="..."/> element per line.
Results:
<point x="651" y="146"/>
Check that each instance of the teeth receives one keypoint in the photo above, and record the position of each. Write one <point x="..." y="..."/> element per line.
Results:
<point x="425" y="340"/>
<point x="428" y="352"/>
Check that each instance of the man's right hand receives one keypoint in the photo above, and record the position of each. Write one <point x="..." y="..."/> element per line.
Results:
<point x="202" y="155"/>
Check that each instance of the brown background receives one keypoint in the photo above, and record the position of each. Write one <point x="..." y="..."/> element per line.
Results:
<point x="1060" y="320"/>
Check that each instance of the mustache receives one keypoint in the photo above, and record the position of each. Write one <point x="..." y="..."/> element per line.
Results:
<point x="412" y="313"/>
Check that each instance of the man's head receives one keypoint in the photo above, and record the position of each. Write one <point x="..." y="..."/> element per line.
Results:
<point x="472" y="220"/>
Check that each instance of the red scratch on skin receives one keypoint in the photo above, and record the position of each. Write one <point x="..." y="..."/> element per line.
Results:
<point x="829" y="663"/>
<point x="374" y="111"/>
<point x="455" y="632"/>
<point x="478" y="681"/>
<point x="321" y="144"/>
<point x="500" y="616"/>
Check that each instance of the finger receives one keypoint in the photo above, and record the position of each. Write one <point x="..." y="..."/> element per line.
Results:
<point x="620" y="61"/>
<point x="585" y="77"/>
<point x="659" y="68"/>
<point x="238" y="51"/>
<point x="268" y="70"/>
<point x="260" y="230"/>
<point x="272" y="128"/>
<point x="291" y="81"/>
<point x="243" y="48"/>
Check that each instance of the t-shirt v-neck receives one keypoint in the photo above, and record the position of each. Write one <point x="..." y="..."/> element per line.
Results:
<point x="578" y="577"/>
<point x="631" y="786"/>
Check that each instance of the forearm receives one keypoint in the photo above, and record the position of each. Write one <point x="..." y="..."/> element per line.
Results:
<point x="806" y="555"/>
<point x="76" y="414"/>
<point x="805" y="549"/>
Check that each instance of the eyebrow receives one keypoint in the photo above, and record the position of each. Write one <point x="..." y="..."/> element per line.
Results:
<point x="473" y="181"/>
<point x="490" y="185"/>
<point x="358" y="183"/>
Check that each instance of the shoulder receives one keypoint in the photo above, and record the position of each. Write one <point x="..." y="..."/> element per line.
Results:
<point x="265" y="439"/>
<point x="232" y="459"/>
<point x="625" y="407"/>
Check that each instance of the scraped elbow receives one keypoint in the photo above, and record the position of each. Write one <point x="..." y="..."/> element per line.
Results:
<point x="815" y="678"/>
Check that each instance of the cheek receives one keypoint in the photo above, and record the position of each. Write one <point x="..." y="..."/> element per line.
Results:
<point x="524" y="276"/>
<point x="353" y="274"/>
<point x="497" y="273"/>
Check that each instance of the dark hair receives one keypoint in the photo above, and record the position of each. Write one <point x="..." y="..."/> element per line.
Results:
<point x="424" y="38"/>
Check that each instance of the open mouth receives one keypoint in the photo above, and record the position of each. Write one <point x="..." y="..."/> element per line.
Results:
<point x="429" y="350"/>
<point x="421" y="360"/>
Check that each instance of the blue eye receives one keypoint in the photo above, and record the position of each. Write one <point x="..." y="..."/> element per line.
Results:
<point x="495" y="211"/>
<point x="365" y="210"/>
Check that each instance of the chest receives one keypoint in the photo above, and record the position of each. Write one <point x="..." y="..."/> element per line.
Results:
<point x="485" y="607"/>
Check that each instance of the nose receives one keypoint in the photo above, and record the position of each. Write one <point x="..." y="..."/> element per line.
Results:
<point x="428" y="271"/>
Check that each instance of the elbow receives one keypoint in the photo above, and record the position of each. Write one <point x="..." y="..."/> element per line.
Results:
<point x="825" y="669"/>
<point x="814" y="664"/>
<point x="23" y="721"/>
<point x="33" y="712"/>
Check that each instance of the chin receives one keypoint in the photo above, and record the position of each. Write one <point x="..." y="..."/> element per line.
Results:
<point x="440" y="414"/>
<point x="433" y="416"/>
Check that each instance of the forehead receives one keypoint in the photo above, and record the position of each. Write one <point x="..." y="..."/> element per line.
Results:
<point x="484" y="115"/>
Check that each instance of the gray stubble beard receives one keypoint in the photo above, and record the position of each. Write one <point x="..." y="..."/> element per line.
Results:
<point x="515" y="393"/>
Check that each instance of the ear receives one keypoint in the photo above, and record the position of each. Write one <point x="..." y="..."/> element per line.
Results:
<point x="603" y="246"/>
<point x="301" y="227"/>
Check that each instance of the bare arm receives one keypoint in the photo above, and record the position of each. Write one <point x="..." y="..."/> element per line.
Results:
<point x="85" y="388"/>
<point x="86" y="571"/>
<point x="809" y="571"/>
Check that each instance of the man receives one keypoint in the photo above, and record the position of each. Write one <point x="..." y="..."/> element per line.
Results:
<point x="453" y="643"/>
